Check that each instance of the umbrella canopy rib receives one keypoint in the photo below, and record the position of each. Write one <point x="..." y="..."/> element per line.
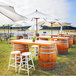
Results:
<point x="7" y="16"/>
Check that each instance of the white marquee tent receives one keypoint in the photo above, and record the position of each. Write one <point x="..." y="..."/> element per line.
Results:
<point x="8" y="15"/>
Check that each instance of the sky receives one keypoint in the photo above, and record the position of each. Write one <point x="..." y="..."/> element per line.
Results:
<point x="72" y="12"/>
<point x="62" y="9"/>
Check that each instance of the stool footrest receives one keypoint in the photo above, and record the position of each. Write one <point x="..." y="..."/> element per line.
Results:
<point x="24" y="69"/>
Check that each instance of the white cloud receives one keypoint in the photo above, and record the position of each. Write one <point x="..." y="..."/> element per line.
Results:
<point x="59" y="8"/>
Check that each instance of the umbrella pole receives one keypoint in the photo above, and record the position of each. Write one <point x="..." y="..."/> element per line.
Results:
<point x="24" y="30"/>
<point x="36" y="25"/>
<point x="4" y="28"/>
<point x="61" y="28"/>
<point x="8" y="30"/>
<point x="51" y="28"/>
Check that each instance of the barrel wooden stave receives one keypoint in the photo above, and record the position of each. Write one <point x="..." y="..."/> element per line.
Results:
<point x="47" y="61"/>
<point x="62" y="46"/>
<point x="70" y="41"/>
<point x="74" y="39"/>
<point x="20" y="47"/>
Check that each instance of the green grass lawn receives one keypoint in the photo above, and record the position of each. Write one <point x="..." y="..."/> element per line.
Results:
<point x="66" y="64"/>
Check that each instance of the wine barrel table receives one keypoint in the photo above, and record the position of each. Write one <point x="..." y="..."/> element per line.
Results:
<point x="47" y="57"/>
<point x="47" y="51"/>
<point x="62" y="46"/>
<point x="61" y="42"/>
<point x="74" y="38"/>
<point x="70" y="41"/>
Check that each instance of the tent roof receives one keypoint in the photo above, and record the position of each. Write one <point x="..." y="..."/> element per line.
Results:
<point x="8" y="14"/>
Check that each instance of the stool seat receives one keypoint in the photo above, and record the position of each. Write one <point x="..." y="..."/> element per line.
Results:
<point x="34" y="45"/>
<point x="15" y="52"/>
<point x="26" y="53"/>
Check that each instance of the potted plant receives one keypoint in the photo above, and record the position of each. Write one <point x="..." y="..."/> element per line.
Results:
<point x="33" y="39"/>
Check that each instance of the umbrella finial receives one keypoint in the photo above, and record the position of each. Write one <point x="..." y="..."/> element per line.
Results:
<point x="36" y="10"/>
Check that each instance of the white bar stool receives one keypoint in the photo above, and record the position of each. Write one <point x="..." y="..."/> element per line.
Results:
<point x="25" y="62"/>
<point x="15" y="58"/>
<point x="35" y="50"/>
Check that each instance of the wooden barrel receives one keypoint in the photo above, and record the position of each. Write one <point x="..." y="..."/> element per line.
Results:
<point x="74" y="39"/>
<point x="47" y="57"/>
<point x="70" y="41"/>
<point x="43" y="39"/>
<point x="62" y="46"/>
<point x="20" y="47"/>
<point x="19" y="37"/>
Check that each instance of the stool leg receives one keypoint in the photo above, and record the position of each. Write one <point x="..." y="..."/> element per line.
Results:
<point x="56" y="48"/>
<point x="9" y="62"/>
<point x="35" y="53"/>
<point x="15" y="63"/>
<point x="32" y="62"/>
<point x="20" y="64"/>
<point x="27" y="65"/>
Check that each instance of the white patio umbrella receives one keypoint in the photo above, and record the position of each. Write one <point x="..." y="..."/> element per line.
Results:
<point x="63" y="24"/>
<point x="37" y="15"/>
<point x="33" y="27"/>
<point x="21" y="24"/>
<point x="49" y="22"/>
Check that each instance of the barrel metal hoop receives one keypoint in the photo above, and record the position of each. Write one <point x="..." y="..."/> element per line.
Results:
<point x="63" y="50"/>
<point x="47" y="62"/>
<point x="63" y="43"/>
<point x="62" y="40"/>
<point x="47" y="66"/>
<point x="47" y="52"/>
<point x="48" y="49"/>
<point x="47" y="69"/>
<point x="20" y="44"/>
<point x="48" y="46"/>
<point x="21" y="49"/>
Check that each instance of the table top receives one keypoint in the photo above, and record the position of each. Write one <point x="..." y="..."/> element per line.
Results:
<point x="49" y="37"/>
<point x="30" y="42"/>
<point x="69" y="34"/>
<point x="63" y="35"/>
